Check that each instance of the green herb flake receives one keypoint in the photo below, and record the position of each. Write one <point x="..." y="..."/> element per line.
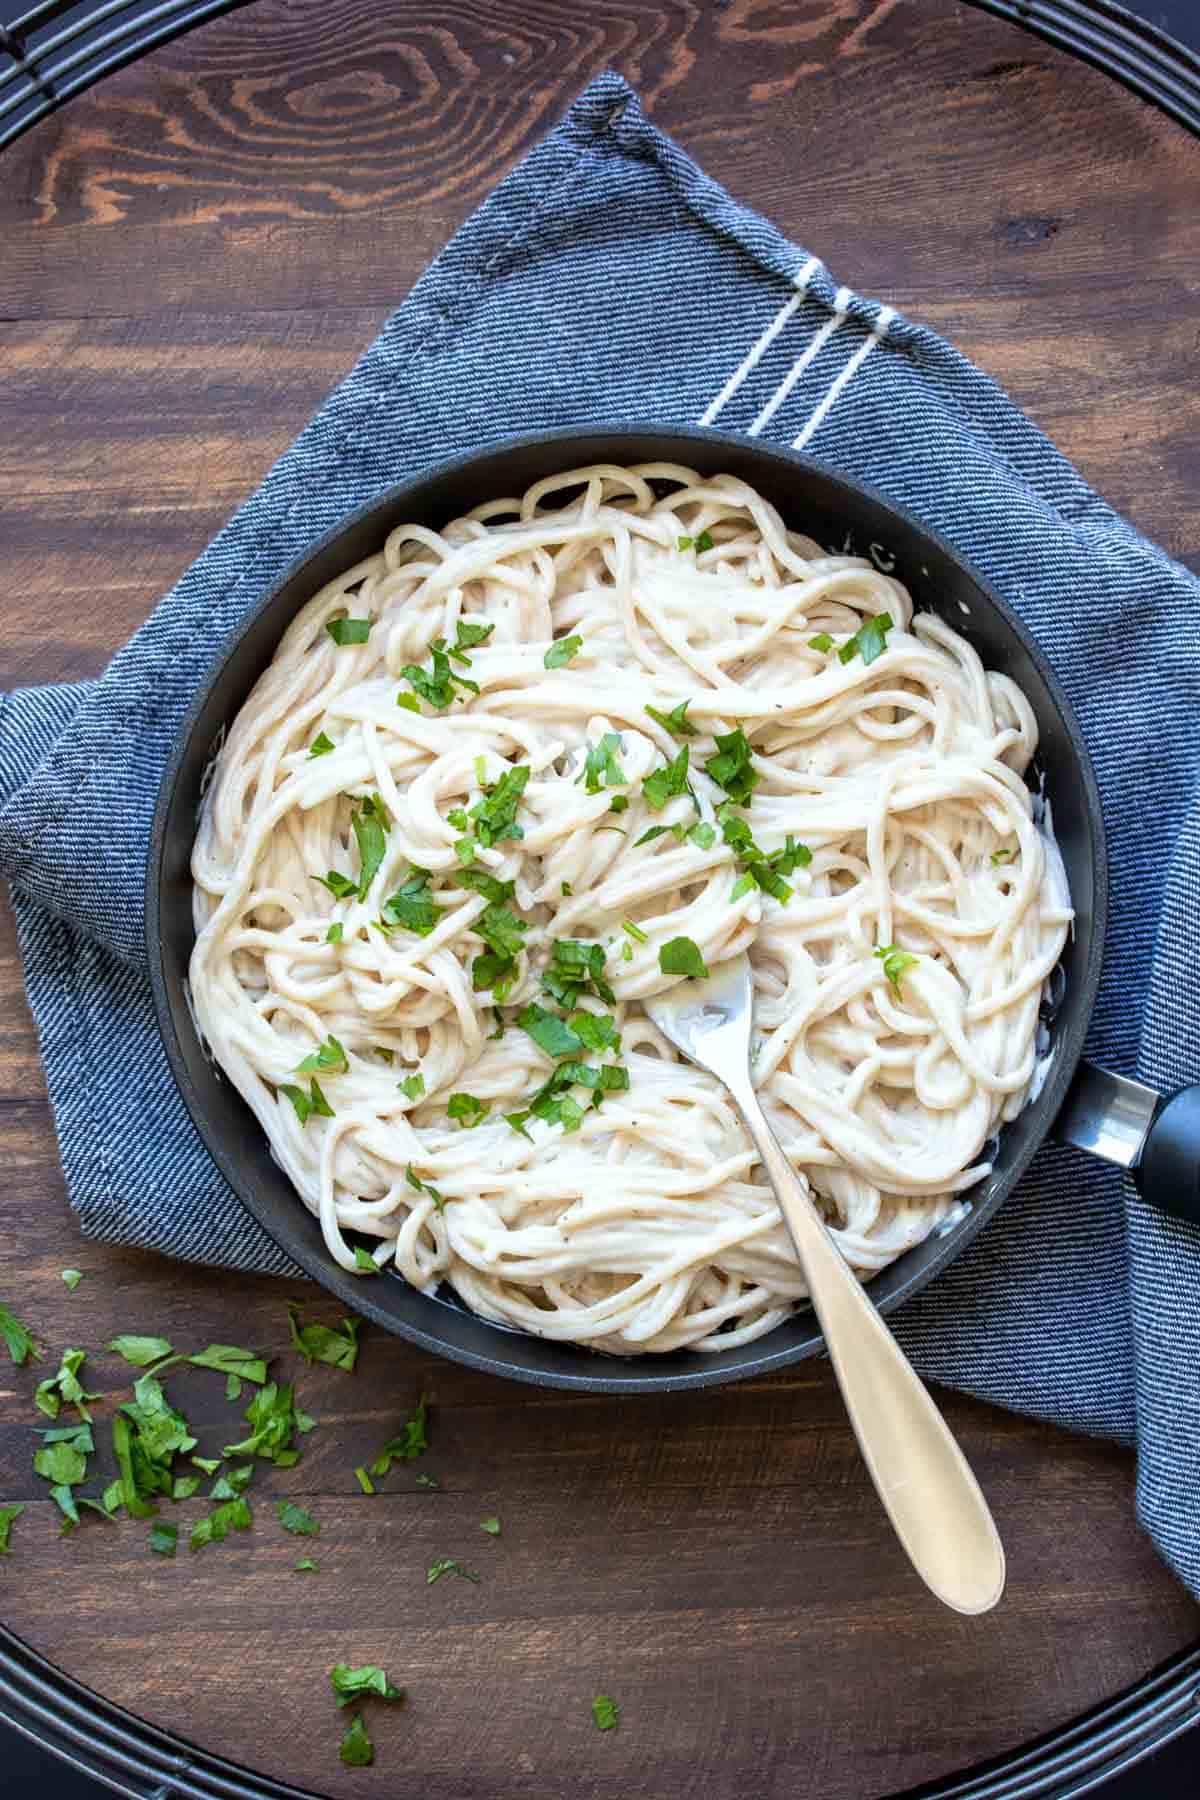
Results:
<point x="357" y="1751"/>
<point x="731" y="768"/>
<point x="356" y="1684"/>
<point x="549" y="1032"/>
<point x="411" y="1441"/>
<point x="676" y="721"/>
<point x="436" y="685"/>
<point x="329" y="1058"/>
<point x="293" y="1518"/>
<point x="634" y="931"/>
<point x="869" y="641"/>
<point x="335" y="932"/>
<point x="364" y="1262"/>
<point x="325" y="1344"/>
<point x="64" y="1387"/>
<point x="491" y="1526"/>
<point x="601" y="767"/>
<point x="71" y="1279"/>
<point x="345" y="631"/>
<point x="306" y="1564"/>
<point x="210" y="1464"/>
<point x="423" y="1187"/>
<point x="413" y="1087"/>
<point x="427" y="1481"/>
<point x="822" y="642"/>
<point x="561" y="652"/>
<point x="680" y="956"/>
<point x="364" y="1480"/>
<point x="140" y="1351"/>
<point x="164" y="1537"/>
<point x="467" y="1109"/>
<point x="18" y="1340"/>
<point x="626" y="952"/>
<point x="605" y="1712"/>
<point x="895" y="964"/>
<point x="576" y="968"/>
<point x="321" y="745"/>
<point x="234" y="1482"/>
<point x="7" y="1515"/>
<point x="370" y="823"/>
<point x="702" y="834"/>
<point x="234" y="1515"/>
<point x="339" y="885"/>
<point x="666" y="783"/>
<point x="273" y="1419"/>
<point x="447" y="1565"/>
<point x="704" y="540"/>
<point x="184" y="1486"/>
<point x="998" y="857"/>
<point x="412" y="905"/>
<point x="468" y="635"/>
<point x="230" y="1359"/>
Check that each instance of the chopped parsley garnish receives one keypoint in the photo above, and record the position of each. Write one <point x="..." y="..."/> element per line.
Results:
<point x="685" y="543"/>
<point x="410" y="1443"/>
<point x="895" y="964"/>
<point x="760" y="869"/>
<point x="210" y="1464"/>
<point x="703" y="541"/>
<point x="163" y="1537"/>
<point x="597" y="1030"/>
<point x="447" y="1565"/>
<point x="427" y="1481"/>
<point x="601" y="768"/>
<point x="606" y="1712"/>
<point x="500" y="928"/>
<point x="822" y="642"/>
<point x="364" y="1480"/>
<point x="18" y="1340"/>
<point x="63" y="1457"/>
<point x="321" y="745"/>
<point x="328" y="1059"/>
<point x="230" y="1359"/>
<point x="273" y="1418"/>
<point x="468" y="635"/>
<point x="561" y="652"/>
<point x="412" y="905"/>
<point x="491" y="1526"/>
<point x="626" y="952"/>
<point x="565" y="889"/>
<point x="349" y="631"/>
<point x="184" y="1486"/>
<point x="413" y="1086"/>
<point x="869" y="641"/>
<point x="556" y="1105"/>
<point x="364" y="1262"/>
<point x="702" y="834"/>
<point x="306" y="1563"/>
<point x="335" y="932"/>
<point x="576" y="968"/>
<point x="436" y="684"/>
<point x="468" y="1109"/>
<point x="998" y="857"/>
<point x="423" y="1187"/>
<point x="619" y="804"/>
<point x="340" y="886"/>
<point x="494" y="817"/>
<point x="731" y="768"/>
<point x="234" y="1515"/>
<point x="357" y="1752"/>
<point x="72" y="1278"/>
<point x="234" y="1482"/>
<point x="371" y="823"/>
<point x="7" y="1515"/>
<point x="355" y="1684"/>
<point x="325" y="1344"/>
<point x="409" y="702"/>
<point x="676" y="721"/>
<point x="680" y="956"/>
<point x="307" y="1104"/>
<point x="293" y="1518"/>
<point x="634" y="931"/>
<point x="665" y="783"/>
<point x="50" y="1394"/>
<point x="549" y="1032"/>
<point x="140" y="1351"/>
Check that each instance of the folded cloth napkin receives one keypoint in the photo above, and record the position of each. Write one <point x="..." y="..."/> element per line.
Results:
<point x="608" y="278"/>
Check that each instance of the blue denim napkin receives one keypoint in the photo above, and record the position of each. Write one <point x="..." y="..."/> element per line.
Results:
<point x="609" y="278"/>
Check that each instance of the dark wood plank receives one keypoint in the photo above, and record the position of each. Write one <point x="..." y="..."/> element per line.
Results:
<point x="192" y="255"/>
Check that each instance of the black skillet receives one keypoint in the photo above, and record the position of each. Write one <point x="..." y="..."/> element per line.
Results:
<point x="1107" y="1115"/>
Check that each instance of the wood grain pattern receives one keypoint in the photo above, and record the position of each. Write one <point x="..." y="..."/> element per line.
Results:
<point x="192" y="255"/>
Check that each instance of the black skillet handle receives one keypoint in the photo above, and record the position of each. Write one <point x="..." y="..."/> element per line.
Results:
<point x="1123" y="1122"/>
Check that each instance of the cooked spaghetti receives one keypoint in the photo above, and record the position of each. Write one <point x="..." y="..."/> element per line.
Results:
<point x="503" y="781"/>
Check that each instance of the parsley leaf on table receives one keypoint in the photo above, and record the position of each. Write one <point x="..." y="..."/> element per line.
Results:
<point x="337" y="1346"/>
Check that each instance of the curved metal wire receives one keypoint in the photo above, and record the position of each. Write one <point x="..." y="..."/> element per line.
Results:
<point x="41" y="67"/>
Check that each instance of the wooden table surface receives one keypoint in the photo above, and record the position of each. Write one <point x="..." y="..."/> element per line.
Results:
<point x="190" y="256"/>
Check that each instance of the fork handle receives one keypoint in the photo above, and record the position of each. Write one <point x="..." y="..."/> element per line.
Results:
<point x="920" y="1474"/>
